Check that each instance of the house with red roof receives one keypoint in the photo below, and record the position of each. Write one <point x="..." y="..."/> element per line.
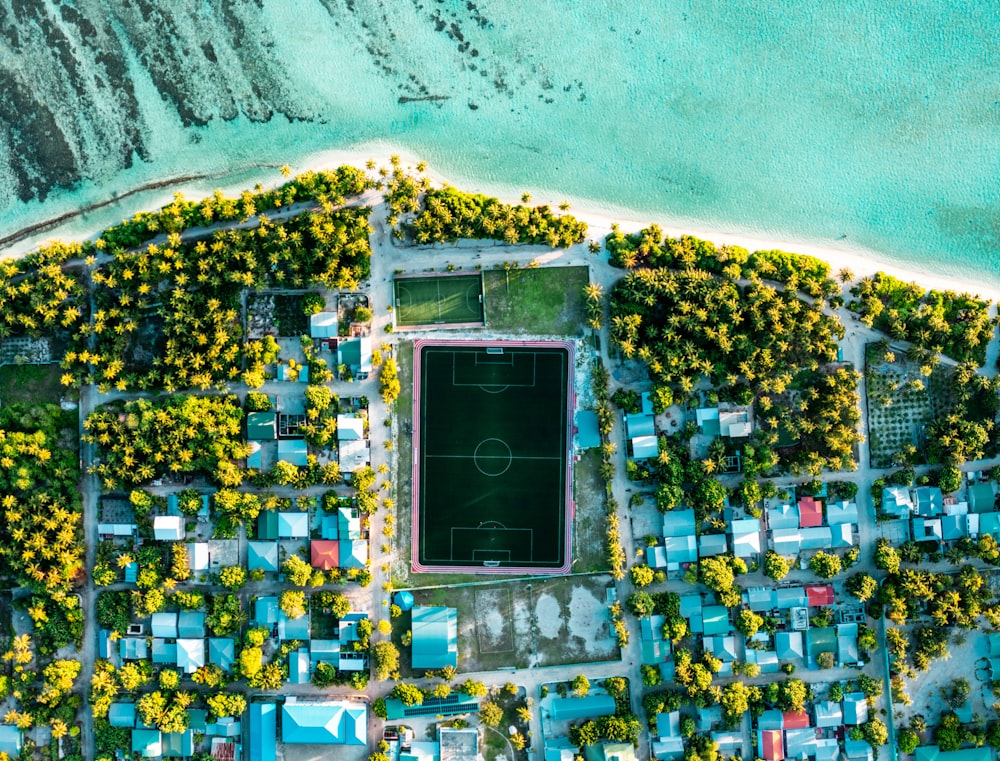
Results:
<point x="795" y="720"/>
<point x="819" y="596"/>
<point x="325" y="554"/>
<point x="810" y="512"/>
<point x="771" y="744"/>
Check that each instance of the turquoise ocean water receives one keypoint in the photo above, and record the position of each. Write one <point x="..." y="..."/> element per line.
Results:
<point x="878" y="120"/>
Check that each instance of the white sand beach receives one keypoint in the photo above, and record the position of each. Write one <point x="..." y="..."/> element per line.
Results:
<point x="599" y="220"/>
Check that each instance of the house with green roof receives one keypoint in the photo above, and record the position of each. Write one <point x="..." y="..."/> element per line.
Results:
<point x="982" y="497"/>
<point x="435" y="637"/>
<point x="934" y="753"/>
<point x="573" y="708"/>
<point x="262" y="556"/>
<point x="334" y="722"/>
<point x="262" y="426"/>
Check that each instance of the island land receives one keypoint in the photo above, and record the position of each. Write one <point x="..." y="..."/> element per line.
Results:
<point x="361" y="465"/>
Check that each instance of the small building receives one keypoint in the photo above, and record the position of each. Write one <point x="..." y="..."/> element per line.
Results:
<point x="828" y="714"/>
<point x="810" y="512"/>
<point x="190" y="655"/>
<point x="267" y="525"/>
<point x="573" y="709"/>
<point x="262" y="556"/>
<point x="323" y="325"/>
<point x="221" y="652"/>
<point x="982" y="497"/>
<point x="350" y="428"/>
<point x="769" y="742"/>
<point x="838" y="513"/>
<point x="679" y="523"/>
<point x="788" y="645"/>
<point x="353" y="553"/>
<point x="191" y="624"/>
<point x="929" y="501"/>
<point x="294" y="452"/>
<point x="168" y="528"/>
<point x="262" y="426"/>
<point x="934" y="753"/>
<point x="435" y="637"/>
<point x="715" y="620"/>
<point x="148" y="742"/>
<point x="645" y="447"/>
<point x="164" y="625"/>
<point x="855" y="708"/>
<point x="707" y="419"/>
<point x="263" y="738"/>
<point x="356" y="354"/>
<point x="293" y="525"/>
<point x="458" y="744"/>
<point x="711" y="545"/>
<point x="122" y="715"/>
<point x="10" y="740"/>
<point x="735" y="424"/>
<point x="896" y="501"/>
<point x="133" y="649"/>
<point x="333" y="722"/>
<point x="819" y="595"/>
<point x="353" y="455"/>
<point x="325" y="554"/>
<point x="587" y="433"/>
<point x="783" y="517"/>
<point x="746" y="537"/>
<point x="198" y="556"/>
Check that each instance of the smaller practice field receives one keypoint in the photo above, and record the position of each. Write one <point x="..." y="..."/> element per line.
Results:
<point x="454" y="300"/>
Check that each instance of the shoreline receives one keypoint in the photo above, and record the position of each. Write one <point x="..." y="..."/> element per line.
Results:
<point x="862" y="262"/>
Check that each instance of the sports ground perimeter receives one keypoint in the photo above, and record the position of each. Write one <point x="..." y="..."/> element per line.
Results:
<point x="492" y="466"/>
<point x="453" y="300"/>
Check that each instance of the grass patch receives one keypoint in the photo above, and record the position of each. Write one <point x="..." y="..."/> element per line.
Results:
<point x="539" y="300"/>
<point x="404" y="463"/>
<point x="590" y="520"/>
<point x="34" y="384"/>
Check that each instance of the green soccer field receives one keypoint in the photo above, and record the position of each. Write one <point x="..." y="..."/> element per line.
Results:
<point x="492" y="470"/>
<point x="446" y="299"/>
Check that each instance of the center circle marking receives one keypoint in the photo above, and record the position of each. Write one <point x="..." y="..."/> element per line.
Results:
<point x="492" y="457"/>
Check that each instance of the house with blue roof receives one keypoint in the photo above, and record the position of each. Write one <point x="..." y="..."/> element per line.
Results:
<point x="788" y="645"/>
<point x="858" y="750"/>
<point x="353" y="553"/>
<point x="838" y="513"/>
<point x="132" y="649"/>
<point x="263" y="737"/>
<point x="164" y="652"/>
<point x="828" y="714"/>
<point x="190" y="655"/>
<point x="348" y="523"/>
<point x="164" y="625"/>
<point x="573" y="708"/>
<point x="855" y="708"/>
<point x="131" y="572"/>
<point x="148" y="742"/>
<point x="299" y="666"/>
<point x="435" y="637"/>
<point x="785" y="516"/>
<point x="765" y="660"/>
<point x="262" y="556"/>
<point x="679" y="523"/>
<point x="168" y="528"/>
<point x="178" y="744"/>
<point x="746" y="537"/>
<point x="293" y="525"/>
<point x="934" y="753"/>
<point x="897" y="501"/>
<point x="982" y="497"/>
<point x="656" y="556"/>
<point x="929" y="501"/>
<point x="221" y="652"/>
<point x="669" y="743"/>
<point x="334" y="722"/>
<point x="692" y="607"/>
<point x="10" y="740"/>
<point x="715" y="620"/>
<point x="293" y="628"/>
<point x="712" y="545"/>
<point x="121" y="715"/>
<point x="191" y="624"/>
<point x="587" y="434"/>
<point x="265" y="611"/>
<point x="680" y="550"/>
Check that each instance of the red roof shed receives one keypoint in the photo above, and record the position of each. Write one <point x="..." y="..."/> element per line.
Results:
<point x="771" y="747"/>
<point x="819" y="596"/>
<point x="810" y="512"/>
<point x="325" y="554"/>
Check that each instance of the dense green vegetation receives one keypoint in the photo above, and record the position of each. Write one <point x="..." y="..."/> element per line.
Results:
<point x="141" y="439"/>
<point x="447" y="214"/>
<point x="651" y="248"/>
<point x="328" y="188"/>
<point x="40" y="536"/>
<point x="946" y="322"/>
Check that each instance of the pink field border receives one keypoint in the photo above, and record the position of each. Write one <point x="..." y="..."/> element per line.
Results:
<point x="570" y="507"/>
<point x="440" y="325"/>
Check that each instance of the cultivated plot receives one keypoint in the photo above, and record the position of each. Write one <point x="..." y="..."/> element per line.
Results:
<point x="490" y="461"/>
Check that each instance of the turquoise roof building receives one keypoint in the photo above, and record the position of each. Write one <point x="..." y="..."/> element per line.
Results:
<point x="262" y="556"/>
<point x="148" y="742"/>
<point x="10" y="740"/>
<point x="293" y="525"/>
<point x="121" y="715"/>
<point x="221" y="652"/>
<point x="589" y="707"/>
<point x="324" y="723"/>
<point x="435" y="637"/>
<point x="263" y="745"/>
